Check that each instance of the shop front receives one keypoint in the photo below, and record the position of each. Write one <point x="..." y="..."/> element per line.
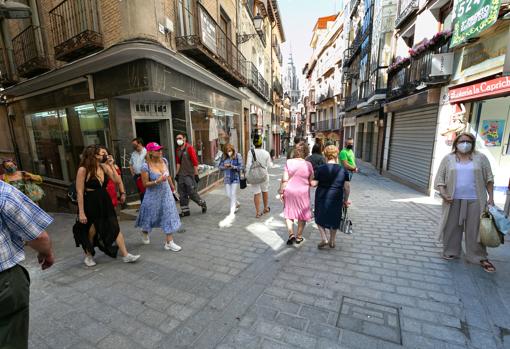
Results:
<point x="140" y="97"/>
<point x="412" y="135"/>
<point x="489" y="119"/>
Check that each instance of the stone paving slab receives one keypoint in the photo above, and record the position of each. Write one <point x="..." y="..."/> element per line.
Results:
<point x="240" y="286"/>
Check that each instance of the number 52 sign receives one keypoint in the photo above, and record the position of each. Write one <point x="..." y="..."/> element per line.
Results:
<point x="471" y="17"/>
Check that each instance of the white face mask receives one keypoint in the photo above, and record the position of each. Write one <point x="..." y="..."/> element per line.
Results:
<point x="180" y="142"/>
<point x="464" y="147"/>
<point x="230" y="153"/>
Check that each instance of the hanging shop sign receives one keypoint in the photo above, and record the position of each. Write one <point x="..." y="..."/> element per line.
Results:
<point x="480" y="90"/>
<point x="471" y="17"/>
<point x="442" y="64"/>
<point x="208" y="29"/>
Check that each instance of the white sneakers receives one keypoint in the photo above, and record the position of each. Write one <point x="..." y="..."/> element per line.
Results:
<point x="145" y="238"/>
<point x="172" y="246"/>
<point x="89" y="261"/>
<point x="130" y="258"/>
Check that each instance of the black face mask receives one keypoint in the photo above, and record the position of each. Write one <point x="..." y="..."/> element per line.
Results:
<point x="350" y="146"/>
<point x="104" y="159"/>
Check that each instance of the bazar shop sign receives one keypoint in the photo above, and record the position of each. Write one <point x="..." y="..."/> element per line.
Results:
<point x="471" y="17"/>
<point x="482" y="89"/>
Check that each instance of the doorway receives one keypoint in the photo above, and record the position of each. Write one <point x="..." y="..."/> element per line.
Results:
<point x="155" y="130"/>
<point x="148" y="130"/>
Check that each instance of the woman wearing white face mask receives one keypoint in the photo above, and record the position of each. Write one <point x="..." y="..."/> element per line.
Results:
<point x="466" y="184"/>
<point x="232" y="165"/>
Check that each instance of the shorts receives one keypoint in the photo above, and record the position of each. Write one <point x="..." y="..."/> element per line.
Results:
<point x="261" y="187"/>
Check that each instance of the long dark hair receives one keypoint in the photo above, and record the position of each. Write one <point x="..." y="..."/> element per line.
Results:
<point x="89" y="160"/>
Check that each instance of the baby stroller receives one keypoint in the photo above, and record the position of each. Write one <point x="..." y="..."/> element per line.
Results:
<point x="345" y="222"/>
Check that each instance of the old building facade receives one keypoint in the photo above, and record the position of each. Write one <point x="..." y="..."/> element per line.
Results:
<point x="98" y="71"/>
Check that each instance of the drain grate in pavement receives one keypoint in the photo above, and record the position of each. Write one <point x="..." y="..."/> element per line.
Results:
<point x="371" y="319"/>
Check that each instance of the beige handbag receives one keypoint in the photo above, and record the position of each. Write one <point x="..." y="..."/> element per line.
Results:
<point x="489" y="235"/>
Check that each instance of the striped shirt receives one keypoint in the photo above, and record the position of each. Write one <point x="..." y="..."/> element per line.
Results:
<point x="20" y="220"/>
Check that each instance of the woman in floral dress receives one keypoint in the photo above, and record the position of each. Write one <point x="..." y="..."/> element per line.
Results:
<point x="158" y="208"/>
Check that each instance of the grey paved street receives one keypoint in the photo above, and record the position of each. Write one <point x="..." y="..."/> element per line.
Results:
<point x="242" y="287"/>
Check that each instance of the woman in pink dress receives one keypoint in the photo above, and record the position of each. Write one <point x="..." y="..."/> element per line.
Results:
<point x="295" y="192"/>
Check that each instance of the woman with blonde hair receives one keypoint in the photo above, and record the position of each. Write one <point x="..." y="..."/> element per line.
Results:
<point x="295" y="192"/>
<point x="99" y="225"/>
<point x="333" y="188"/>
<point x="231" y="164"/>
<point x="466" y="184"/>
<point x="158" y="208"/>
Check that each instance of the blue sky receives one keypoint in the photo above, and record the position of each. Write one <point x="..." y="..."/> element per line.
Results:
<point x="299" y="18"/>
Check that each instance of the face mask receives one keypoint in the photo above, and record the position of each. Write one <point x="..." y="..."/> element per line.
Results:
<point x="104" y="158"/>
<point x="230" y="153"/>
<point x="180" y="142"/>
<point x="11" y="169"/>
<point x="349" y="146"/>
<point x="464" y="147"/>
<point x="135" y="147"/>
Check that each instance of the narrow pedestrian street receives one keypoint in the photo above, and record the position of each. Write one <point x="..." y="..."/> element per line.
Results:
<point x="241" y="286"/>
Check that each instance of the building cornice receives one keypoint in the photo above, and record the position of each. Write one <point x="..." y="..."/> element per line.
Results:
<point x="118" y="54"/>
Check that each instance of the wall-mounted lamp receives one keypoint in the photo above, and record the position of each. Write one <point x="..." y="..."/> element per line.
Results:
<point x="258" y="22"/>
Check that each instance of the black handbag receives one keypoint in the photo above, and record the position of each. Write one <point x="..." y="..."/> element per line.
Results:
<point x="242" y="181"/>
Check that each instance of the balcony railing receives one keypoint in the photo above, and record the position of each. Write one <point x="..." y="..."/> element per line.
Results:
<point x="414" y="73"/>
<point x="28" y="54"/>
<point x="352" y="101"/>
<point x="407" y="8"/>
<point x="327" y="125"/>
<point x="257" y="83"/>
<point x="360" y="37"/>
<point x="75" y="29"/>
<point x="202" y="39"/>
<point x="277" y="87"/>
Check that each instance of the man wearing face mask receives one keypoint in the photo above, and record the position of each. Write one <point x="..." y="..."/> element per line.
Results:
<point x="187" y="175"/>
<point x="347" y="158"/>
<point x="466" y="184"/>
<point x="136" y="162"/>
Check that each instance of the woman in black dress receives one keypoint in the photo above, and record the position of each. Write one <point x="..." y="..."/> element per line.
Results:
<point x="332" y="194"/>
<point x="98" y="221"/>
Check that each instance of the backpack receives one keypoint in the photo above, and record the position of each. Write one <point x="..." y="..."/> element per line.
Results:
<point x="257" y="173"/>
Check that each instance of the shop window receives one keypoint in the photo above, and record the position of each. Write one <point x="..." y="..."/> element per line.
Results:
<point x="57" y="137"/>
<point x="212" y="130"/>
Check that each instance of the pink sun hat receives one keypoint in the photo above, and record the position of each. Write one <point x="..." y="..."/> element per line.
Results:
<point x="153" y="146"/>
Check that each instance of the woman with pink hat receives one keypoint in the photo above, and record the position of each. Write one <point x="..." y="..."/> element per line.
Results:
<point x="158" y="208"/>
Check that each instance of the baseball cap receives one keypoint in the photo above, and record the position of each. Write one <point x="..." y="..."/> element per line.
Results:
<point x="153" y="146"/>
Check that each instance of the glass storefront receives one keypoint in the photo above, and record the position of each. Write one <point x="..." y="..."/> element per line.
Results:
<point x="57" y="137"/>
<point x="212" y="130"/>
<point x="491" y="124"/>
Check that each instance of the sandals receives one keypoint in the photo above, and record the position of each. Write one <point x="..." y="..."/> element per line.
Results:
<point x="448" y="258"/>
<point x="322" y="245"/>
<point x="267" y="211"/>
<point x="291" y="240"/>
<point x="299" y="240"/>
<point x="258" y="215"/>
<point x="488" y="266"/>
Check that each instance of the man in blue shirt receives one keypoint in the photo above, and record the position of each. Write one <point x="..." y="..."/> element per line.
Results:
<point x="21" y="221"/>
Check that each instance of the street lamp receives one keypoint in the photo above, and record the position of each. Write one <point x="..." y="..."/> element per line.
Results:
<point x="258" y="22"/>
<point x="14" y="10"/>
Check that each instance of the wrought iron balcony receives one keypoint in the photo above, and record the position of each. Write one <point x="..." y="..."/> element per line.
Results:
<point x="353" y="50"/>
<point x="28" y="54"/>
<point x="330" y="124"/>
<point x="204" y="41"/>
<point x="407" y="8"/>
<point x="75" y="29"/>
<point x="407" y="76"/>
<point x="351" y="102"/>
<point x="257" y="83"/>
<point x="277" y="87"/>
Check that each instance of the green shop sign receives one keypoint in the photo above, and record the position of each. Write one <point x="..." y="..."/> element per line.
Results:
<point x="473" y="17"/>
